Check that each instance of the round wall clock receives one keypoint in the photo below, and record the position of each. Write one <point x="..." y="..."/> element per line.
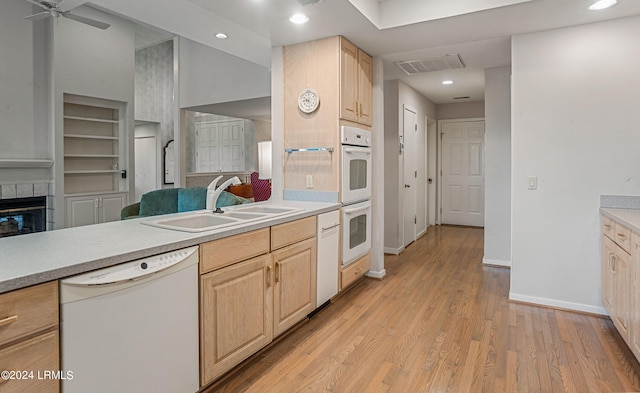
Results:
<point x="308" y="100"/>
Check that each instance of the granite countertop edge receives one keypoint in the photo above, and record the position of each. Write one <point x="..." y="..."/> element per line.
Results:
<point x="628" y="217"/>
<point x="67" y="252"/>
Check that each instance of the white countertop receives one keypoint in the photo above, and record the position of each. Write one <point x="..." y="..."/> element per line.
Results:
<point x="629" y="217"/>
<point x="35" y="258"/>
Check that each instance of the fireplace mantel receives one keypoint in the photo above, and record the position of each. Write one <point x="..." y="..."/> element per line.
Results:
<point x="24" y="163"/>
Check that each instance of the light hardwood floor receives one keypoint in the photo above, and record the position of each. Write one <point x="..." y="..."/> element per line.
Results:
<point x="441" y="322"/>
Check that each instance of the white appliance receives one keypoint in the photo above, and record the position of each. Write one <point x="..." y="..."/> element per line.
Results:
<point x="132" y="327"/>
<point x="356" y="164"/>
<point x="328" y="231"/>
<point x="356" y="231"/>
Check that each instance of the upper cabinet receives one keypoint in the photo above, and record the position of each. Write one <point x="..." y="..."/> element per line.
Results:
<point x="356" y="103"/>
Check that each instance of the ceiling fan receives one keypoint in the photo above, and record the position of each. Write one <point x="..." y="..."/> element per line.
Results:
<point x="55" y="9"/>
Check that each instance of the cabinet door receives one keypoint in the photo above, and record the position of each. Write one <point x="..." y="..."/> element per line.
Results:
<point x="236" y="315"/>
<point x="608" y="274"/>
<point x="365" y="89"/>
<point x="294" y="284"/>
<point x="348" y="80"/>
<point x="634" y="329"/>
<point x="110" y="207"/>
<point x="81" y="211"/>
<point x="622" y="292"/>
<point x="37" y="355"/>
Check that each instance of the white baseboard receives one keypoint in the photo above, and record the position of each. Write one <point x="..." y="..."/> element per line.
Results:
<point x="394" y="251"/>
<point x="422" y="233"/>
<point x="558" y="304"/>
<point x="379" y="275"/>
<point x="496" y="262"/>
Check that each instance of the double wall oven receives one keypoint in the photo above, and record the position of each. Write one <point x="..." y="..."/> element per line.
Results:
<point x="355" y="193"/>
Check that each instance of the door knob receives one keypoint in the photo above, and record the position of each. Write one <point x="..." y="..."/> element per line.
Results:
<point x="407" y="186"/>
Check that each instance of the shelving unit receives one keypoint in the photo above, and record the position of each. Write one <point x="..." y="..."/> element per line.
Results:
<point x="93" y="160"/>
<point x="91" y="147"/>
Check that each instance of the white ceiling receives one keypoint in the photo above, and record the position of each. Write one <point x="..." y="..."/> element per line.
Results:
<point x="397" y="30"/>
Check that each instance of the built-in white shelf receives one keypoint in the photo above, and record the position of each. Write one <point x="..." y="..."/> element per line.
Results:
<point x="78" y="136"/>
<point x="91" y="172"/>
<point x="91" y="156"/>
<point x="24" y="163"/>
<point x="91" y="119"/>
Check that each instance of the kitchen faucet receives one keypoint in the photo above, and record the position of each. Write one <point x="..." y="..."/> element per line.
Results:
<point x="213" y="193"/>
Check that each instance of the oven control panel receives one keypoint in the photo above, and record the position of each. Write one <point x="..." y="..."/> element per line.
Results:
<point x="355" y="136"/>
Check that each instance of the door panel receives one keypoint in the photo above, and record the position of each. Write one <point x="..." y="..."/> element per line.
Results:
<point x="463" y="173"/>
<point x="409" y="178"/>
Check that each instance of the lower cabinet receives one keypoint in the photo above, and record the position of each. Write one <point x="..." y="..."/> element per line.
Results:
<point x="245" y="304"/>
<point x="237" y="317"/>
<point x="29" y="343"/>
<point x="634" y="342"/>
<point x="294" y="284"/>
<point x="354" y="271"/>
<point x="93" y="209"/>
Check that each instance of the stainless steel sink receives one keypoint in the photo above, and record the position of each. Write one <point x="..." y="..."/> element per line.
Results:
<point x="205" y="220"/>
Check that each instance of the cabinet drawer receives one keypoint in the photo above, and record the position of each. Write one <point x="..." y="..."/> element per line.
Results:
<point x="38" y="356"/>
<point x="292" y="232"/>
<point x="355" y="270"/>
<point x="623" y="237"/>
<point x="608" y="227"/>
<point x="27" y="311"/>
<point x="227" y="251"/>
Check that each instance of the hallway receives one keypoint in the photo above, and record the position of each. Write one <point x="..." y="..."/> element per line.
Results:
<point x="440" y="321"/>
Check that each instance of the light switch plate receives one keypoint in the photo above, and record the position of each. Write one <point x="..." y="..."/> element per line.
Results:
<point x="533" y="182"/>
<point x="309" y="181"/>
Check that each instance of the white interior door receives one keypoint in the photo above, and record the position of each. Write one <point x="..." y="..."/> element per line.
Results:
<point x="463" y="172"/>
<point x="207" y="147"/>
<point x="410" y="131"/>
<point x="146" y="165"/>
<point x="421" y="180"/>
<point x="231" y="141"/>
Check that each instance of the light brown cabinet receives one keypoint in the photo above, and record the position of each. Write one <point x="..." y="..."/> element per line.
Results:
<point x="236" y="315"/>
<point x="29" y="337"/>
<point x="356" y="73"/>
<point x="634" y="316"/>
<point x="616" y="286"/>
<point x="253" y="287"/>
<point x="354" y="271"/>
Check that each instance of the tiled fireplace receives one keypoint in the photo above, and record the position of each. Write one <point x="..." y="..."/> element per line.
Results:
<point x="24" y="208"/>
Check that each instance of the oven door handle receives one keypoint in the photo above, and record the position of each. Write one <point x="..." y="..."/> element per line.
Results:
<point x="356" y="150"/>
<point x="357" y="209"/>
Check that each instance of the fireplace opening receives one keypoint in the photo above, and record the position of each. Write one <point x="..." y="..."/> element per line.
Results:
<point x="19" y="216"/>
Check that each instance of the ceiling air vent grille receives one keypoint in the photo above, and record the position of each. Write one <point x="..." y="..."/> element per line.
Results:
<point x="448" y="62"/>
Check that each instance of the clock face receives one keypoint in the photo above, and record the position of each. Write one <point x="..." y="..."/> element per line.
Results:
<point x="308" y="100"/>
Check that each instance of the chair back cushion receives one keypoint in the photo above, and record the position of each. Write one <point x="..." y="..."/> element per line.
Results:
<point x="261" y="188"/>
<point x="192" y="198"/>
<point x="157" y="202"/>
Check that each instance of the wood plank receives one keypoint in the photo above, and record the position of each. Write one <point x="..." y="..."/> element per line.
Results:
<point x="440" y="321"/>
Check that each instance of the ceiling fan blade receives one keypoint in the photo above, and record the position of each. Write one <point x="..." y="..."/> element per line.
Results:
<point x="38" y="4"/>
<point x="87" y="21"/>
<point x="38" y="16"/>
<point x="68" y="5"/>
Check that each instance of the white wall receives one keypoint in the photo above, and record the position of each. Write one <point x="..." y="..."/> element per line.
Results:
<point x="575" y="101"/>
<point x="397" y="95"/>
<point x="95" y="63"/>
<point x="23" y="85"/>
<point x="210" y="76"/>
<point x="460" y="110"/>
<point x="497" y="142"/>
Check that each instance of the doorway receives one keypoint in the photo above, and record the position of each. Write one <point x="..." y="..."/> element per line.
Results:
<point x="462" y="176"/>
<point x="410" y="174"/>
<point x="147" y="159"/>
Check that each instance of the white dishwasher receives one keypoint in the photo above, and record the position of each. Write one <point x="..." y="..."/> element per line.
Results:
<point x="132" y="327"/>
<point x="328" y="260"/>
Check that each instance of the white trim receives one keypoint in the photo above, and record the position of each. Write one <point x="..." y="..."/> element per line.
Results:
<point x="422" y="233"/>
<point x="393" y="251"/>
<point x="496" y="262"/>
<point x="558" y="304"/>
<point x="379" y="275"/>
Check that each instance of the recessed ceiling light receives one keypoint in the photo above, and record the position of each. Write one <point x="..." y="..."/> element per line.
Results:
<point x="221" y="36"/>
<point x="299" y="19"/>
<point x="447" y="82"/>
<point x="602" y="4"/>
